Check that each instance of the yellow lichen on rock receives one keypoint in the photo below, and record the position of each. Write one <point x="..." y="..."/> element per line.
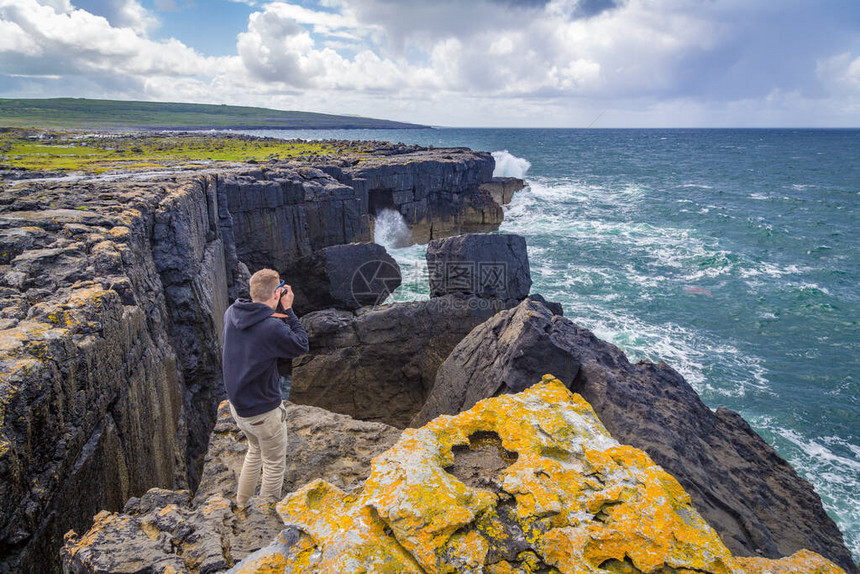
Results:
<point x="520" y="483"/>
<point x="274" y="563"/>
<point x="801" y="562"/>
<point x="354" y="535"/>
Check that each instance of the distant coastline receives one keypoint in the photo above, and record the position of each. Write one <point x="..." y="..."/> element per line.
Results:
<point x="108" y="115"/>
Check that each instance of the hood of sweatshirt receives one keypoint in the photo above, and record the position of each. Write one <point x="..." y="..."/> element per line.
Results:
<point x="246" y="313"/>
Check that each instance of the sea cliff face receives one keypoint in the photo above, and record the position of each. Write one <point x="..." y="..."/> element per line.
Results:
<point x="114" y="290"/>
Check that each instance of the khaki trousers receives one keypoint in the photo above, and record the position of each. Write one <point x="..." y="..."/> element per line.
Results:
<point x="267" y="449"/>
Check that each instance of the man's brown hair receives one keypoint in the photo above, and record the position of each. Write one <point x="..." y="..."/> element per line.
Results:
<point x="263" y="284"/>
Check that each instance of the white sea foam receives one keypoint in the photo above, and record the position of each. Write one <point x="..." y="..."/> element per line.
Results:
<point x="831" y="464"/>
<point x="687" y="351"/>
<point x="390" y="230"/>
<point x="809" y="287"/>
<point x="509" y="165"/>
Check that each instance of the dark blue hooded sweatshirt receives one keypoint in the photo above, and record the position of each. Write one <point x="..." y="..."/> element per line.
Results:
<point x="253" y="343"/>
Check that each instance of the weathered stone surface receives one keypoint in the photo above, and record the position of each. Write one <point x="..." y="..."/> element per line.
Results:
<point x="507" y="353"/>
<point x="736" y="480"/>
<point x="162" y="532"/>
<point x="801" y="562"/>
<point x="484" y="264"/>
<point x="520" y="483"/>
<point x="343" y="277"/>
<point x="279" y="215"/>
<point x="91" y="392"/>
<point x="502" y="189"/>
<point x="322" y="444"/>
<point x="379" y="363"/>
<point x="168" y="529"/>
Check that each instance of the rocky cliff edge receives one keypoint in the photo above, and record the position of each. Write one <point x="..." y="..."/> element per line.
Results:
<point x="530" y="482"/>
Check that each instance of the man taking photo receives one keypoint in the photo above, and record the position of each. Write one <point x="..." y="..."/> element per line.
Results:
<point x="255" y="337"/>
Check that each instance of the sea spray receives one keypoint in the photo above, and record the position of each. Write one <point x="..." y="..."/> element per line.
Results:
<point x="509" y="165"/>
<point x="390" y="230"/>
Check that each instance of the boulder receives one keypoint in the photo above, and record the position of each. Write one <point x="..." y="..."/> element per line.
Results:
<point x="379" y="363"/>
<point x="735" y="479"/>
<point x="502" y="189"/>
<point x="484" y="264"/>
<point x="530" y="482"/>
<point x="343" y="277"/>
<point x="507" y="353"/>
<point x="206" y="533"/>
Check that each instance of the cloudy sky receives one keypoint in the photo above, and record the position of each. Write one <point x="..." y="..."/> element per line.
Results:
<point x="518" y="63"/>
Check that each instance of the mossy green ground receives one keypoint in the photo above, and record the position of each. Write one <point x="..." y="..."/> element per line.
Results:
<point x="73" y="152"/>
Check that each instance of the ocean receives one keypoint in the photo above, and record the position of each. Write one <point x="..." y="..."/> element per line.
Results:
<point x="733" y="255"/>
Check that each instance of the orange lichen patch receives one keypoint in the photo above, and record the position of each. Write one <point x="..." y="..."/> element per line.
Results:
<point x="151" y="530"/>
<point x="13" y="340"/>
<point x="564" y="496"/>
<point x="167" y="510"/>
<point x="350" y="537"/>
<point x="88" y="294"/>
<point x="120" y="233"/>
<point x="422" y="503"/>
<point x="213" y="504"/>
<point x="267" y="564"/>
<point x="801" y="562"/>
<point x="102" y="522"/>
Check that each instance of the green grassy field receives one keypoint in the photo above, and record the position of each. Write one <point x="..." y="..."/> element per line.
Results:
<point x="54" y="151"/>
<point x="86" y="114"/>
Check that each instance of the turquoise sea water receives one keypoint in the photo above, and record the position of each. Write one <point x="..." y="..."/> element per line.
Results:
<point x="733" y="255"/>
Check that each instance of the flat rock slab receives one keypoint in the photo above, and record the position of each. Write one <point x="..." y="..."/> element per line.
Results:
<point x="502" y="189"/>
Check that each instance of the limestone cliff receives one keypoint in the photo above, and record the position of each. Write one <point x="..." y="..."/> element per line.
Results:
<point x="531" y="482"/>
<point x="113" y="291"/>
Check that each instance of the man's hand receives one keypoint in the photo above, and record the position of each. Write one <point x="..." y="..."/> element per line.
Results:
<point x="287" y="297"/>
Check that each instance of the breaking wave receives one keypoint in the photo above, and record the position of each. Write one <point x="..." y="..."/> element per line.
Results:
<point x="390" y="230"/>
<point x="509" y="165"/>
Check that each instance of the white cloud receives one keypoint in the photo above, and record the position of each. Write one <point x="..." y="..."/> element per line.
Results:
<point x="119" y="13"/>
<point x="70" y="42"/>
<point x="841" y="73"/>
<point x="502" y="62"/>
